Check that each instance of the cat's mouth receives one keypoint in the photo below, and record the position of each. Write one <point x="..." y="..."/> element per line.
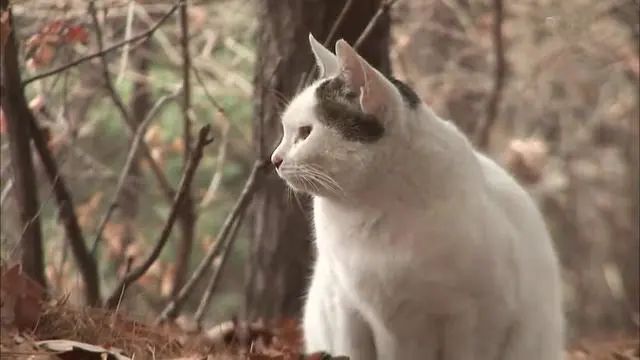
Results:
<point x="309" y="179"/>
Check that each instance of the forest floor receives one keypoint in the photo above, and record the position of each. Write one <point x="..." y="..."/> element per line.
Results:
<point x="48" y="330"/>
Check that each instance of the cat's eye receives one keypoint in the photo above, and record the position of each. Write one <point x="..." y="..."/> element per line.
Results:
<point x="303" y="132"/>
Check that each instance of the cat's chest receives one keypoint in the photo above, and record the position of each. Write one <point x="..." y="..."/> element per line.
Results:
<point x="370" y="253"/>
<point x="360" y="231"/>
<point x="386" y="258"/>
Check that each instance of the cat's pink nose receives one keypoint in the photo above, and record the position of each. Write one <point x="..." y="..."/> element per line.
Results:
<point x="277" y="161"/>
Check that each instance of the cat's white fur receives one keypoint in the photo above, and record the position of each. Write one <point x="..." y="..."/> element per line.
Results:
<point x="426" y="249"/>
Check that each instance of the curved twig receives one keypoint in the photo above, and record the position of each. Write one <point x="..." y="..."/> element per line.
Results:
<point x="187" y="177"/>
<point x="243" y="201"/>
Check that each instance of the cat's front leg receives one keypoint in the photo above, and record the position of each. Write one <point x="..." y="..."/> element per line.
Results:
<point x="458" y="337"/>
<point x="332" y="325"/>
<point x="353" y="336"/>
<point x="414" y="336"/>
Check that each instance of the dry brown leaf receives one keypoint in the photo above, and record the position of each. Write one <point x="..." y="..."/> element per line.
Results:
<point x="21" y="298"/>
<point x="177" y="145"/>
<point x="75" y="350"/>
<point x="187" y="324"/>
<point x="153" y="137"/>
<point x="526" y="158"/>
<point x="86" y="211"/>
<point x="167" y="280"/>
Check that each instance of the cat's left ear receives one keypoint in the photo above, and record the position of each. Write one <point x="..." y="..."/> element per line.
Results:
<point x="376" y="92"/>
<point x="326" y="61"/>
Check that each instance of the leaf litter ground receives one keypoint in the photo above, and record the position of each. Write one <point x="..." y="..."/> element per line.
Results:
<point x="29" y="325"/>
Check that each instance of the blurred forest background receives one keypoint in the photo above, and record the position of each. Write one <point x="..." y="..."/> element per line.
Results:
<point x="547" y="87"/>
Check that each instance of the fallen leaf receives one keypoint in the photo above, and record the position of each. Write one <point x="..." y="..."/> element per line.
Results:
<point x="21" y="298"/>
<point x="75" y="350"/>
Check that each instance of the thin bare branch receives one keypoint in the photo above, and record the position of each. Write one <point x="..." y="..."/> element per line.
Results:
<point x="127" y="34"/>
<point x="187" y="212"/>
<point x="500" y="67"/>
<point x="142" y="36"/>
<point x="135" y="144"/>
<point x="306" y="77"/>
<point x="384" y="8"/>
<point x="187" y="177"/>
<point x="243" y="201"/>
<point x="216" y="179"/>
<point x="222" y="112"/>
<point x="186" y="78"/>
<point x="117" y="100"/>
<point x="6" y="191"/>
<point x="215" y="277"/>
<point x="108" y="82"/>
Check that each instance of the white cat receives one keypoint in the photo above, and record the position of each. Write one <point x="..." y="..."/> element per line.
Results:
<point x="426" y="249"/>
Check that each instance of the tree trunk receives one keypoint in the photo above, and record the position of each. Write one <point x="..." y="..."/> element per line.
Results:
<point x="280" y="255"/>
<point x="17" y="115"/>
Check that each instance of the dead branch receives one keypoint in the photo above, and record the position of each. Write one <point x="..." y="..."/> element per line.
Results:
<point x="101" y="53"/>
<point x="337" y="23"/>
<point x="215" y="277"/>
<point x="484" y="130"/>
<point x="16" y="110"/>
<point x="85" y="262"/>
<point x="327" y="41"/>
<point x="216" y="179"/>
<point x="135" y="143"/>
<point x="222" y="150"/>
<point x="162" y="180"/>
<point x="186" y="78"/>
<point x="187" y="177"/>
<point x="187" y="212"/>
<point x="242" y="203"/>
<point x="383" y="9"/>
<point x="108" y="82"/>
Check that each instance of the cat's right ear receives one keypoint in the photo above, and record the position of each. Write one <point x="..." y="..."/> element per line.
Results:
<point x="325" y="59"/>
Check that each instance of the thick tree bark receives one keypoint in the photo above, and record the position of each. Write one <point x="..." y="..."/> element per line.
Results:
<point x="17" y="115"/>
<point x="280" y="254"/>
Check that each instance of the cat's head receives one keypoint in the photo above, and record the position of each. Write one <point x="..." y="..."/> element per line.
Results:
<point x="341" y="129"/>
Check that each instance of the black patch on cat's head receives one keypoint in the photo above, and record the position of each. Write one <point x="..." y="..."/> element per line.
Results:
<point x="338" y="108"/>
<point x="408" y="95"/>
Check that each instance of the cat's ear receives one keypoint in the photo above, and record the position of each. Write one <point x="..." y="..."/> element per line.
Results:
<point x="326" y="61"/>
<point x="375" y="92"/>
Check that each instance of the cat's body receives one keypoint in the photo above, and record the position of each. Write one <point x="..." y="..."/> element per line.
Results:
<point x="425" y="248"/>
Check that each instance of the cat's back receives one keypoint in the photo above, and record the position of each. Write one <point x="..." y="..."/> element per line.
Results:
<point x="531" y="239"/>
<point x="510" y="197"/>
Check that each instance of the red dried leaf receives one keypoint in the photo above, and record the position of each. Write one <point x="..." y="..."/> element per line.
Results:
<point x="77" y="34"/>
<point x="43" y="55"/>
<point x="5" y="28"/>
<point x="3" y="122"/>
<point x="54" y="27"/>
